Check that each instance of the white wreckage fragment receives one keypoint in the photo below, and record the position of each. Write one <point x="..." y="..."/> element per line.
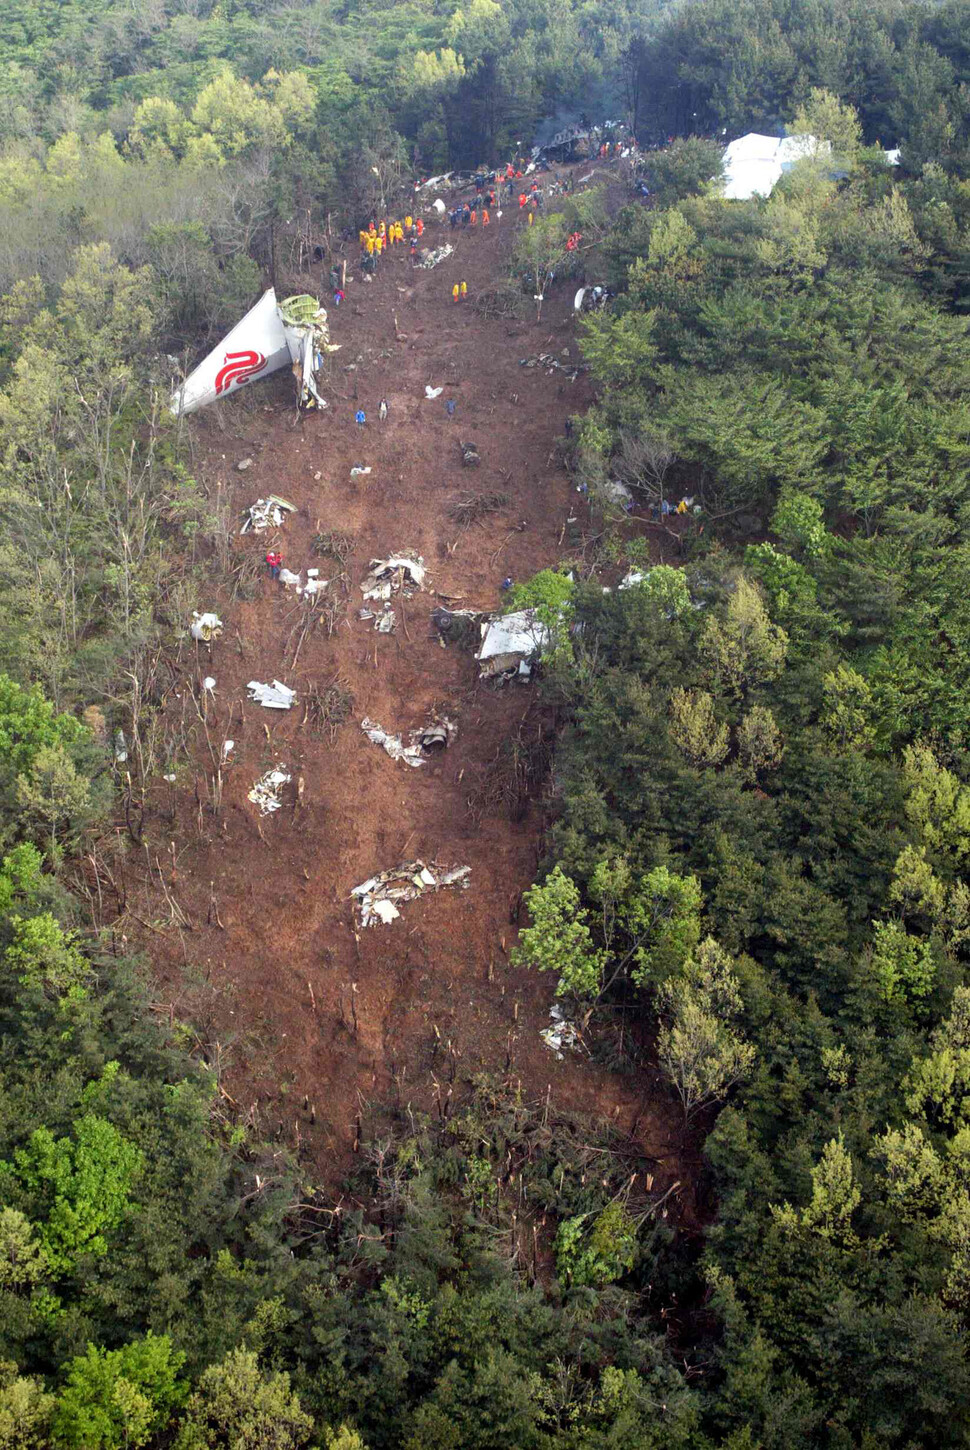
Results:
<point x="272" y="335"/>
<point x="376" y="897"/>
<point x="431" y="259"/>
<point x="511" y="642"/>
<point x="563" y="1035"/>
<point x="276" y="696"/>
<point x="266" y="513"/>
<point x="421" y="745"/>
<point x="266" y="792"/>
<point x="205" y="627"/>
<point x="388" y="576"/>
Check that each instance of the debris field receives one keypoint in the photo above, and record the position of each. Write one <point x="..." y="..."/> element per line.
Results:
<point x="304" y="1000"/>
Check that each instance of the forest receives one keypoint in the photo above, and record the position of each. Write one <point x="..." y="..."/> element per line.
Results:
<point x="759" y="808"/>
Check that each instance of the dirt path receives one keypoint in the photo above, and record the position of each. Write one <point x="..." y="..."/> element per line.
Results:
<point x="292" y="973"/>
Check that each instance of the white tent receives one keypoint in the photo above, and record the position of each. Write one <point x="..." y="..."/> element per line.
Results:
<point x="753" y="164"/>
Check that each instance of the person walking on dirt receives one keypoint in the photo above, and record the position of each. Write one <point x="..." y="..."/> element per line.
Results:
<point x="464" y="290"/>
<point x="420" y="226"/>
<point x="274" y="563"/>
<point x="455" y="292"/>
<point x="382" y="410"/>
<point x="485" y="217"/>
<point x="338" y="297"/>
<point x="522" y="199"/>
<point x="360" y="418"/>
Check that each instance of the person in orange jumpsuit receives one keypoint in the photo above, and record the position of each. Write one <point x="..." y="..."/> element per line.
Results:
<point x="485" y="216"/>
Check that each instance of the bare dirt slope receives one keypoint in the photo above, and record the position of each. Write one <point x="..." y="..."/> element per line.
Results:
<point x="292" y="969"/>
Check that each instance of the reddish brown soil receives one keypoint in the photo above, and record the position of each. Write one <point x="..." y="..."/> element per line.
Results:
<point x="288" y="956"/>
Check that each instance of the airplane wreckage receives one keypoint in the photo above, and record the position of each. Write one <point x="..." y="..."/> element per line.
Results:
<point x="293" y="333"/>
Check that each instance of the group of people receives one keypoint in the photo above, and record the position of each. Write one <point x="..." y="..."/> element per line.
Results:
<point x="459" y="292"/>
<point x="467" y="213"/>
<point x="380" y="236"/>
<point x="668" y="507"/>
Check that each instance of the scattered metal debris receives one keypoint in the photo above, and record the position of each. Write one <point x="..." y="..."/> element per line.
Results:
<point x="266" y="513"/>
<point x="431" y="259"/>
<point x="243" y="464"/>
<point x="615" y="491"/>
<point x="390" y="576"/>
<point x="206" y="627"/>
<point x="377" y="896"/>
<point x="276" y="696"/>
<point x="430" y="392"/>
<point x="470" y="456"/>
<point x="358" y="471"/>
<point x="552" y="364"/>
<point x="510" y="644"/>
<point x="266" y="792"/>
<point x="423" y="742"/>
<point x="563" y="1036"/>
<point x="458" y="626"/>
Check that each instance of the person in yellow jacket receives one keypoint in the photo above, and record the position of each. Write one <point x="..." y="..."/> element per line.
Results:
<point x="378" y="244"/>
<point x="362" y="236"/>
<point x="464" y="290"/>
<point x="408" y="221"/>
<point x="455" y="293"/>
<point x="399" y="231"/>
<point x="370" y="243"/>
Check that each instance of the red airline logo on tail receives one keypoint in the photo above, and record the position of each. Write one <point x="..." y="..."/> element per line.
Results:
<point x="237" y="367"/>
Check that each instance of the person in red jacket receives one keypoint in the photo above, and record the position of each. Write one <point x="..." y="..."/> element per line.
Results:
<point x="274" y="563"/>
